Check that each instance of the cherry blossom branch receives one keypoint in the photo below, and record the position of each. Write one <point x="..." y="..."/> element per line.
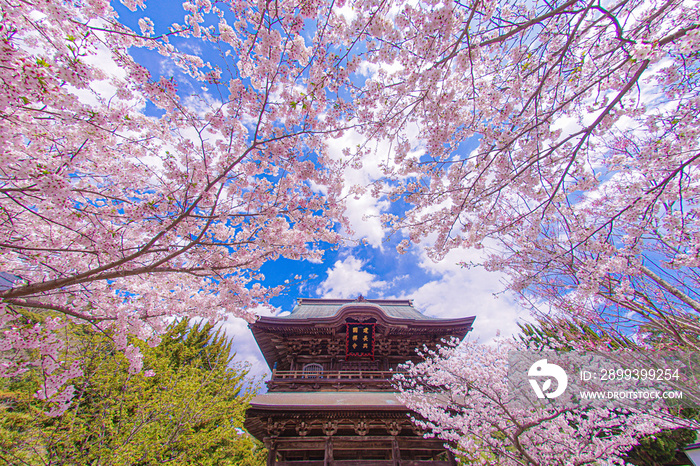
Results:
<point x="670" y="288"/>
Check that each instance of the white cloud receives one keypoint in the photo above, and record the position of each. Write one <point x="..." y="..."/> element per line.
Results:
<point x="462" y="292"/>
<point x="167" y="67"/>
<point x="347" y="280"/>
<point x="202" y="104"/>
<point x="363" y="214"/>
<point x="363" y="209"/>
<point x="347" y="12"/>
<point x="244" y="344"/>
<point x="316" y="259"/>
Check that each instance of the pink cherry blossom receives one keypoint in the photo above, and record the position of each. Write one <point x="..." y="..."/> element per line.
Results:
<point x="121" y="219"/>
<point x="462" y="395"/>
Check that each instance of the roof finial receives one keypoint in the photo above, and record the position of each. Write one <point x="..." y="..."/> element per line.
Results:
<point x="361" y="298"/>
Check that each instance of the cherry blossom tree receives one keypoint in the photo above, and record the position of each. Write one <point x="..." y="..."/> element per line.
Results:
<point x="124" y="201"/>
<point x="462" y="394"/>
<point x="561" y="134"/>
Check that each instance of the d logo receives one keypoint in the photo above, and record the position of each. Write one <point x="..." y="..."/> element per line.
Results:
<point x="542" y="369"/>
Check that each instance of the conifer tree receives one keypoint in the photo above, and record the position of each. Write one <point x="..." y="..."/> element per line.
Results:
<point x="186" y="407"/>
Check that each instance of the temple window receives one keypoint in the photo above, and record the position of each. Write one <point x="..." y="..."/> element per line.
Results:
<point x="312" y="370"/>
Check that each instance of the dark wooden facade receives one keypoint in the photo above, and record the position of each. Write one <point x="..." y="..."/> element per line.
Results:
<point x="330" y="400"/>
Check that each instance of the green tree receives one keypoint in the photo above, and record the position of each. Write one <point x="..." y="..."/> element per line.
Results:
<point x="662" y="448"/>
<point x="186" y="407"/>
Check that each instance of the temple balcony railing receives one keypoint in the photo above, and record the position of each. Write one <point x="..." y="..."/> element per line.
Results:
<point x="331" y="380"/>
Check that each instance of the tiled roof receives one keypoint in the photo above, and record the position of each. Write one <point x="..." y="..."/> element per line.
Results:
<point x="316" y="308"/>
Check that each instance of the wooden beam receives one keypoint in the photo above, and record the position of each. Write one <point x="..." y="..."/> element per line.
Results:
<point x="425" y="463"/>
<point x="395" y="452"/>
<point x="368" y="442"/>
<point x="363" y="463"/>
<point x="271" y="452"/>
<point x="300" y="463"/>
<point x="328" y="457"/>
<point x="301" y="444"/>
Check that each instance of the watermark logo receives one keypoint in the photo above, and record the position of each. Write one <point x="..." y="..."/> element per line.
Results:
<point x="636" y="379"/>
<point x="542" y="368"/>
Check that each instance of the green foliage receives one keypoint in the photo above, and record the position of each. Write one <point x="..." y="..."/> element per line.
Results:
<point x="553" y="333"/>
<point x="190" y="412"/>
<point x="194" y="346"/>
<point x="662" y="448"/>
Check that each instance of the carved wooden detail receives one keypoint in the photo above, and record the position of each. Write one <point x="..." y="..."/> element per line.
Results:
<point x="302" y="428"/>
<point x="363" y="317"/>
<point x="275" y="428"/>
<point x="295" y="347"/>
<point x="417" y="430"/>
<point x="315" y="348"/>
<point x="361" y="427"/>
<point x="383" y="346"/>
<point x="393" y="427"/>
<point x="334" y="347"/>
<point x="330" y="427"/>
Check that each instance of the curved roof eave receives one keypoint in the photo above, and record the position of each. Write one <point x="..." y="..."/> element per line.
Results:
<point x="364" y="307"/>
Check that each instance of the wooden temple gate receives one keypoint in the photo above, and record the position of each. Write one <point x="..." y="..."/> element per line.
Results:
<point x="330" y="400"/>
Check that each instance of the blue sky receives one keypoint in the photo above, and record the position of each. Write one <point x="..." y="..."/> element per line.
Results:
<point x="366" y="262"/>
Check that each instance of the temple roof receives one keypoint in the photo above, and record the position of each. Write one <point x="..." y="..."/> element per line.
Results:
<point x="339" y="405"/>
<point x="308" y="308"/>
<point x="325" y="319"/>
<point x="327" y="400"/>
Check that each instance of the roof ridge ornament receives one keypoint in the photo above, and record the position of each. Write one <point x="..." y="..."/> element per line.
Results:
<point x="361" y="298"/>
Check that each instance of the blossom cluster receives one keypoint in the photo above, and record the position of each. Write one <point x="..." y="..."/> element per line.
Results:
<point x="462" y="394"/>
<point x="122" y="216"/>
